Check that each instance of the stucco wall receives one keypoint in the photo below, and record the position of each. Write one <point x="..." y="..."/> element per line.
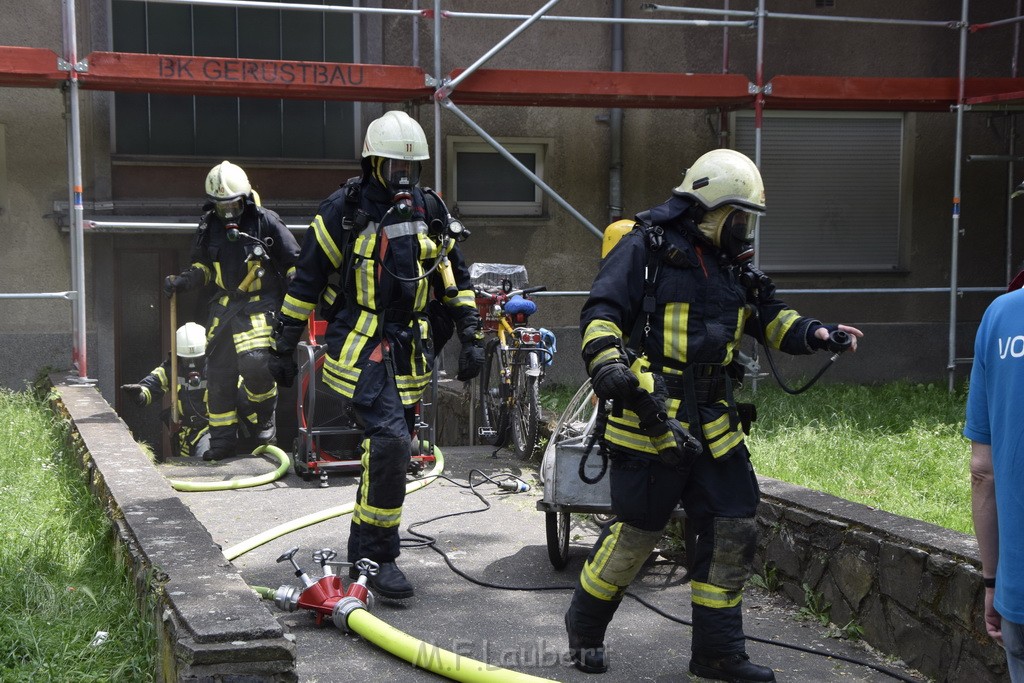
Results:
<point x="657" y="145"/>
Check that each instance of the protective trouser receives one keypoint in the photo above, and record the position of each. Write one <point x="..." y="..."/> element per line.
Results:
<point x="241" y="348"/>
<point x="373" y="532"/>
<point x="642" y="503"/>
<point x="720" y="499"/>
<point x="191" y="441"/>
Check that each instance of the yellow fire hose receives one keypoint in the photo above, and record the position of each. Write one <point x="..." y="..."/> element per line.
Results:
<point x="258" y="480"/>
<point x="426" y="656"/>
<point x="322" y="516"/>
<point x="381" y="634"/>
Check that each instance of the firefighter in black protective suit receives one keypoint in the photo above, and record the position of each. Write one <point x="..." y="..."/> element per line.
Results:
<point x="390" y="243"/>
<point x="192" y="436"/>
<point x="660" y="330"/>
<point x="249" y="254"/>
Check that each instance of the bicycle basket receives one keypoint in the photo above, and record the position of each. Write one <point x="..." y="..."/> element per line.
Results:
<point x="487" y="314"/>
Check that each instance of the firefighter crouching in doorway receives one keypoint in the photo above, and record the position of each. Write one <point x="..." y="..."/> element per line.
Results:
<point x="192" y="436"/>
<point x="661" y="327"/>
<point x="392" y="245"/>
<point x="248" y="253"/>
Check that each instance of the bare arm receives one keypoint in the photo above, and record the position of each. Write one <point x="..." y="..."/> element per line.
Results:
<point x="986" y="526"/>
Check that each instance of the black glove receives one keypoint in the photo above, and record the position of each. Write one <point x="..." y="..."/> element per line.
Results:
<point x="676" y="446"/>
<point x="285" y="336"/>
<point x="614" y="382"/>
<point x="175" y="283"/>
<point x="283" y="368"/>
<point x="137" y="394"/>
<point x="471" y="360"/>
<point x="283" y="341"/>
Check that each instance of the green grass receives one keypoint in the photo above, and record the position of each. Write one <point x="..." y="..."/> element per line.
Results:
<point x="59" y="581"/>
<point x="897" y="447"/>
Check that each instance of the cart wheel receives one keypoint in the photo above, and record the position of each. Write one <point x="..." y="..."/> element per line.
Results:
<point x="557" y="525"/>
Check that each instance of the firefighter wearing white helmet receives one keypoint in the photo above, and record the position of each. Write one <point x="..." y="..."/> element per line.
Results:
<point x="247" y="254"/>
<point x="192" y="436"/>
<point x="661" y="329"/>
<point x="383" y="238"/>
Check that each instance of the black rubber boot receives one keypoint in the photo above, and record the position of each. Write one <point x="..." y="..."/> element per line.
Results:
<point x="389" y="582"/>
<point x="266" y="431"/>
<point x="736" y="668"/>
<point x="588" y="654"/>
<point x="219" y="452"/>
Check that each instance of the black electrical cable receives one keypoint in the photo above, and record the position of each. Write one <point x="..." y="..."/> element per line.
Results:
<point x="425" y="541"/>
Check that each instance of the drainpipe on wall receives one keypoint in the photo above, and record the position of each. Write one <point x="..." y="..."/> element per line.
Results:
<point x="615" y="126"/>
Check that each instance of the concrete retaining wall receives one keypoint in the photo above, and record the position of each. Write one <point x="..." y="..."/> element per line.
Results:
<point x="212" y="627"/>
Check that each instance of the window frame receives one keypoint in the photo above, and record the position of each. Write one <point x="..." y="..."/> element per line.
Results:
<point x="539" y="147"/>
<point x="204" y="155"/>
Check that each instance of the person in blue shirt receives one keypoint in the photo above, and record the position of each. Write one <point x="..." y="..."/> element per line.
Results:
<point x="996" y="431"/>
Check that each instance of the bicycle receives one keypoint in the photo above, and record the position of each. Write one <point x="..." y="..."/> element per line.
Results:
<point x="514" y="361"/>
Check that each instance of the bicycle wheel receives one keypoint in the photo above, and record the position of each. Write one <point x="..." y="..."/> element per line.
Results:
<point x="525" y="409"/>
<point x="557" y="528"/>
<point x="494" y="426"/>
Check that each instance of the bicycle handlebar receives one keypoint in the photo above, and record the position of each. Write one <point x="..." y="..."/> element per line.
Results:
<point x="504" y="296"/>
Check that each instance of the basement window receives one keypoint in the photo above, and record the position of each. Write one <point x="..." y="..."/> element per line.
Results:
<point x="833" y="187"/>
<point x="482" y="182"/>
<point x="231" y="127"/>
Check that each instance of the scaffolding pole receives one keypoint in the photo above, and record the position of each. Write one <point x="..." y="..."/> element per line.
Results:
<point x="79" y="351"/>
<point x="450" y="106"/>
<point x="957" y="168"/>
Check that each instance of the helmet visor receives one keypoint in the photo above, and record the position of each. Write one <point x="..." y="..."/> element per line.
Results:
<point x="397" y="174"/>
<point x="230" y="209"/>
<point x="740" y="225"/>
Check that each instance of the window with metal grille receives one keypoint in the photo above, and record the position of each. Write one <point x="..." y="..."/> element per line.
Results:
<point x="232" y="127"/>
<point x="833" y="189"/>
<point x="484" y="183"/>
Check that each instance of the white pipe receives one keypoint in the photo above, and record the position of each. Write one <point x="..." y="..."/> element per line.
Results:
<point x="446" y="89"/>
<point x="263" y="4"/>
<point x="957" y="167"/>
<point x="450" y="106"/>
<point x="80" y="350"/>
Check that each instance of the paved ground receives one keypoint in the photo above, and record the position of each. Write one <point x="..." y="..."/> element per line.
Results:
<point x="516" y="621"/>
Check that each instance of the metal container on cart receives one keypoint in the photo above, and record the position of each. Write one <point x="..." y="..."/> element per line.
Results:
<point x="565" y="490"/>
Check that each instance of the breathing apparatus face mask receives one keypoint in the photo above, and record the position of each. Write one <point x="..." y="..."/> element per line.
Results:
<point x="230" y="210"/>
<point x="191" y="372"/>
<point x="397" y="175"/>
<point x="731" y="230"/>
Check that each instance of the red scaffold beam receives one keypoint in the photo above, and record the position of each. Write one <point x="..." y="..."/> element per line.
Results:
<point x="235" y="77"/>
<point x="175" y="74"/>
<point x="29" y="67"/>
<point x="601" y="89"/>
<point x="872" y="94"/>
<point x="882" y="94"/>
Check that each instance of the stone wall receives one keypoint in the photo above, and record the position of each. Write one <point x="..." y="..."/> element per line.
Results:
<point x="211" y="627"/>
<point x="914" y="588"/>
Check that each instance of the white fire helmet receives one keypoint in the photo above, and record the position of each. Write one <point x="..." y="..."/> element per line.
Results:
<point x="721" y="177"/>
<point x="396" y="135"/>
<point x="191" y="340"/>
<point x="228" y="186"/>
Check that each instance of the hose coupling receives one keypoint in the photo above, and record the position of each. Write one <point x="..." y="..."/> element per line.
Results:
<point x="287" y="598"/>
<point x="343" y="608"/>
